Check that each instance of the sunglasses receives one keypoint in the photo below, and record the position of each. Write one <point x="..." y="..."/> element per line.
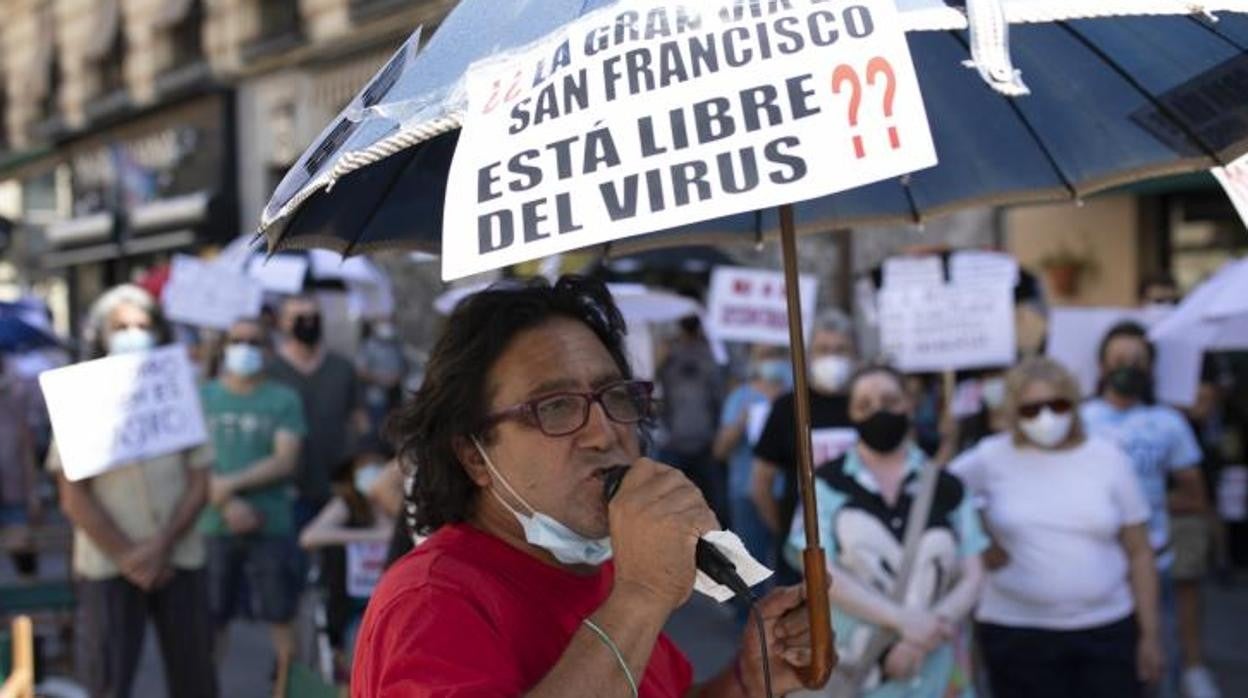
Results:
<point x="1031" y="409"/>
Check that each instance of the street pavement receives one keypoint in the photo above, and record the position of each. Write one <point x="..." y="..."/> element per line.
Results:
<point x="707" y="632"/>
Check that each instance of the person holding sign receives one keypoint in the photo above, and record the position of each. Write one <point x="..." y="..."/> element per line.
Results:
<point x="775" y="458"/>
<point x="256" y="425"/>
<point x="532" y="582"/>
<point x="137" y="555"/>
<point x="1070" y="607"/>
<point x="903" y="543"/>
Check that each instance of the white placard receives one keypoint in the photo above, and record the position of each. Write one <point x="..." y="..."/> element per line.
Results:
<point x="654" y="114"/>
<point x="913" y="271"/>
<point x="948" y="327"/>
<point x="1075" y="336"/>
<point x="1234" y="180"/>
<point x="366" y="560"/>
<point x="206" y="294"/>
<point x="121" y="409"/>
<point x="280" y="273"/>
<point x="749" y="305"/>
<point x="831" y="443"/>
<point x="983" y="266"/>
<point x="1233" y="493"/>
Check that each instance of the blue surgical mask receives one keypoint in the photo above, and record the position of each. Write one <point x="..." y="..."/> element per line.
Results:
<point x="776" y="371"/>
<point x="243" y="359"/>
<point x="568" y="546"/>
<point x="130" y="340"/>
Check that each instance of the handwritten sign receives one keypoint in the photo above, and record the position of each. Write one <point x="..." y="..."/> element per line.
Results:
<point x="206" y="294"/>
<point x="652" y="114"/>
<point x="280" y="273"/>
<point x="365" y="563"/>
<point x="937" y="328"/>
<point x="749" y="305"/>
<point x="121" y="409"/>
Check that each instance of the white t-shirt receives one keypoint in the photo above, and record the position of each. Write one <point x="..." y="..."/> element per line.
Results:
<point x="1059" y="515"/>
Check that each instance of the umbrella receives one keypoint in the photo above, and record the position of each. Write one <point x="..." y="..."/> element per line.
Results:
<point x="20" y="333"/>
<point x="1109" y="103"/>
<point x="1213" y="317"/>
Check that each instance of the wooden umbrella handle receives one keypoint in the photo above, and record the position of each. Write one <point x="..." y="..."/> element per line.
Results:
<point x="823" y="654"/>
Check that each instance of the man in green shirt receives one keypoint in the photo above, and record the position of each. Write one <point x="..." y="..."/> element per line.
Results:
<point x="256" y="426"/>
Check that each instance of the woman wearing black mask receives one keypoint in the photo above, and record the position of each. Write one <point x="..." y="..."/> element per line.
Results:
<point x="887" y="646"/>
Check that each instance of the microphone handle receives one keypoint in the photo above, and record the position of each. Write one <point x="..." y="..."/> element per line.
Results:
<point x="707" y="557"/>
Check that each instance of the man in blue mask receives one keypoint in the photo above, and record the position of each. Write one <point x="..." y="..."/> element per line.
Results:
<point x="530" y="582"/>
<point x="256" y="425"/>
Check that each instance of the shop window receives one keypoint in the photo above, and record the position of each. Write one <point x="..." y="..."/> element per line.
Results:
<point x="1205" y="232"/>
<point x="368" y="9"/>
<point x="280" y="28"/>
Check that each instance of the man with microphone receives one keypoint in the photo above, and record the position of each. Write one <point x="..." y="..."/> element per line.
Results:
<point x="531" y="582"/>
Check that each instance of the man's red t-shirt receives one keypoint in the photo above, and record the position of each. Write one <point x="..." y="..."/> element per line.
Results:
<point x="466" y="614"/>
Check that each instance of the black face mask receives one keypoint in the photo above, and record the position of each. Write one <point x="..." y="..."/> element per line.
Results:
<point x="883" y="431"/>
<point x="1130" y="382"/>
<point x="307" y="330"/>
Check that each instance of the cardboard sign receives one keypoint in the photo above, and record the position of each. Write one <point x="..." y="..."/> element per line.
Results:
<point x="1234" y="180"/>
<point x="1075" y="336"/>
<point x="365" y="563"/>
<point x="209" y="295"/>
<point x="749" y="305"/>
<point x="653" y="114"/>
<point x="948" y="327"/>
<point x="121" y="409"/>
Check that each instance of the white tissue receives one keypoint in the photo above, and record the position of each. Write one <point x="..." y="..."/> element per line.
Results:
<point x="752" y="571"/>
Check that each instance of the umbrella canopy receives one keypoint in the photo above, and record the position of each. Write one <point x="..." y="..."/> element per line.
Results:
<point x="20" y="333"/>
<point x="1110" y="102"/>
<point x="1214" y="316"/>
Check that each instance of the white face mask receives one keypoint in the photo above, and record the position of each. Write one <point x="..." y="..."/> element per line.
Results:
<point x="993" y="392"/>
<point x="131" y="339"/>
<point x="365" y="476"/>
<point x="568" y="546"/>
<point x="830" y="373"/>
<point x="1048" y="429"/>
<point x="243" y="359"/>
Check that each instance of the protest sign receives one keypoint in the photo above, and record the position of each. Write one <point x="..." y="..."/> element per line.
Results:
<point x="749" y="305"/>
<point x="206" y="294"/>
<point x="366" y="560"/>
<point x="121" y="409"/>
<point x="948" y="326"/>
<point x="280" y="273"/>
<point x="653" y="114"/>
<point x="1234" y="180"/>
<point x="831" y="443"/>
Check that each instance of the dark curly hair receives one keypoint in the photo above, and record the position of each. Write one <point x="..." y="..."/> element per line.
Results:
<point x="452" y="402"/>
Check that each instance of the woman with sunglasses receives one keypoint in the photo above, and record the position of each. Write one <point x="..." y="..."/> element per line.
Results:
<point x="1072" y="611"/>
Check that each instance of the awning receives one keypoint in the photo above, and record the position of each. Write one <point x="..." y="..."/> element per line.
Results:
<point x="159" y="243"/>
<point x="79" y="256"/>
<point x="187" y="210"/>
<point x="83" y="230"/>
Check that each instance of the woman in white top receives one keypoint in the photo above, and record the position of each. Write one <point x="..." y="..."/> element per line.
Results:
<point x="1073" y="609"/>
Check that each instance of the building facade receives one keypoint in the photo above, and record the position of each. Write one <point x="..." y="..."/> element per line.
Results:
<point x="135" y="129"/>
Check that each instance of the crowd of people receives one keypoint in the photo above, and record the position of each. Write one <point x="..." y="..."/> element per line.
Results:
<point x="294" y="486"/>
<point x="1042" y="545"/>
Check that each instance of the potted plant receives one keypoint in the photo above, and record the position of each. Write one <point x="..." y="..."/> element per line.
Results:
<point x="1064" y="268"/>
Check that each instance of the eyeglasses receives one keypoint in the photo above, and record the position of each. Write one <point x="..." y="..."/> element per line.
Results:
<point x="1059" y="406"/>
<point x="560" y="414"/>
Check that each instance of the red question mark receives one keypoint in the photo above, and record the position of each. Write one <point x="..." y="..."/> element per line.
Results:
<point x="877" y="66"/>
<point x="841" y="75"/>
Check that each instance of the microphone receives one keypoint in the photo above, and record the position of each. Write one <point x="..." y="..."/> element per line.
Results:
<point x="707" y="557"/>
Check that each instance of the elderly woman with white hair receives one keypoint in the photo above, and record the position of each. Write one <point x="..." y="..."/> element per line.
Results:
<point x="137" y="555"/>
<point x="1070" y="607"/>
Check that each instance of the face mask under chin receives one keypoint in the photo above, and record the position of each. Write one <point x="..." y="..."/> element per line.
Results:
<point x="544" y="531"/>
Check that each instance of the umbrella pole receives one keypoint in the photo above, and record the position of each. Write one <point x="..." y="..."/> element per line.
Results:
<point x="815" y="566"/>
